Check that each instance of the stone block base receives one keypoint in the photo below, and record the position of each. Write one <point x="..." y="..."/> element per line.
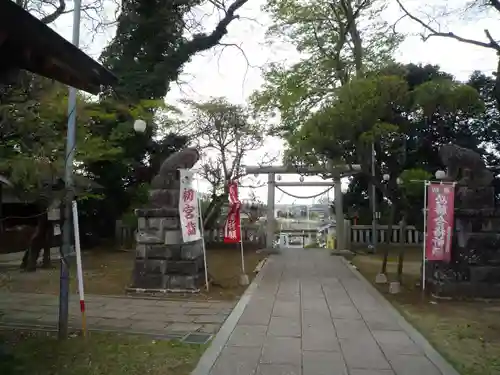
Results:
<point x="466" y="290"/>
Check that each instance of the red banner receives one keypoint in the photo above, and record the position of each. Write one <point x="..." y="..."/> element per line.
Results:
<point x="232" y="228"/>
<point x="440" y="209"/>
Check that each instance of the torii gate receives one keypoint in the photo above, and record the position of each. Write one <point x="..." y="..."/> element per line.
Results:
<point x="335" y="172"/>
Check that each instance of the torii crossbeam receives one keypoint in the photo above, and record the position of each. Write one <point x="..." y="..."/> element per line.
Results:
<point x="335" y="172"/>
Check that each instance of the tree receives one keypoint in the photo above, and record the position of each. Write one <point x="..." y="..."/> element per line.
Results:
<point x="153" y="41"/>
<point x="336" y="41"/>
<point x="406" y="121"/>
<point x="469" y="9"/>
<point x="32" y="147"/>
<point x="225" y="133"/>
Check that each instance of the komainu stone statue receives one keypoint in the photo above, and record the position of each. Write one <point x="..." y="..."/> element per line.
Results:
<point x="164" y="263"/>
<point x="465" y="164"/>
<point x="474" y="269"/>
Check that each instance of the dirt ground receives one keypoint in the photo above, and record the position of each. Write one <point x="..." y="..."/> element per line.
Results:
<point x="467" y="333"/>
<point x="109" y="272"/>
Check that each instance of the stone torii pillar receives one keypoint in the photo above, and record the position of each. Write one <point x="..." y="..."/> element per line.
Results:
<point x="271" y="185"/>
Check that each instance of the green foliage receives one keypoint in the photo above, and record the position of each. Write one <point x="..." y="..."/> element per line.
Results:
<point x="33" y="134"/>
<point x="413" y="182"/>
<point x="336" y="41"/>
<point x="445" y="96"/>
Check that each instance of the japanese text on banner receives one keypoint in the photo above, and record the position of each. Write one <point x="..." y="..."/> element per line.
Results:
<point x="440" y="213"/>
<point x="188" y="207"/>
<point x="232" y="229"/>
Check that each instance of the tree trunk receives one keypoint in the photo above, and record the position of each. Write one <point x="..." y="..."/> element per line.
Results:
<point x="388" y="239"/>
<point x="213" y="210"/>
<point x="38" y="242"/>
<point x="1" y="206"/>
<point x="402" y="250"/>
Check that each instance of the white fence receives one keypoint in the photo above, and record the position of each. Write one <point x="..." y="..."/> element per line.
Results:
<point x="125" y="235"/>
<point x="357" y="235"/>
<point x="362" y="235"/>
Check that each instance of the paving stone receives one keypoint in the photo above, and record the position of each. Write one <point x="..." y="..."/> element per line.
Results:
<point x="344" y="312"/>
<point x="49" y="318"/>
<point x="177" y="318"/>
<point x="351" y="328"/>
<point x="288" y="327"/>
<point x="117" y="314"/>
<point x="20" y="316"/>
<point x="266" y="369"/>
<point x="198" y="305"/>
<point x="370" y="372"/>
<point x="323" y="363"/>
<point x="363" y="352"/>
<point x="183" y="327"/>
<point x="209" y="328"/>
<point x="255" y="316"/>
<point x="413" y="365"/>
<point x="249" y="336"/>
<point x="236" y="361"/>
<point x="381" y="321"/>
<point x="396" y="342"/>
<point x="320" y="340"/>
<point x="203" y="311"/>
<point x="286" y="309"/>
<point x="223" y="304"/>
<point x="315" y="305"/>
<point x="281" y="350"/>
<point x="310" y="317"/>
<point x="210" y="319"/>
<point x="160" y="310"/>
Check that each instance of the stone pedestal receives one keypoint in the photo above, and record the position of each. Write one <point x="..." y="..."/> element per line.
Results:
<point x="474" y="270"/>
<point x="164" y="263"/>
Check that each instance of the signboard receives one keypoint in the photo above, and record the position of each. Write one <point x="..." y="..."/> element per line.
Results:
<point x="232" y="227"/>
<point x="440" y="210"/>
<point x="188" y="207"/>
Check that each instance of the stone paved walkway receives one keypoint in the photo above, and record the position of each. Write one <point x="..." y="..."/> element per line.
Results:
<point x="149" y="316"/>
<point x="310" y="314"/>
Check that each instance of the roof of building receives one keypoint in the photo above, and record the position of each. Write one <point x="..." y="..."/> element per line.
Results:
<point x="27" y="43"/>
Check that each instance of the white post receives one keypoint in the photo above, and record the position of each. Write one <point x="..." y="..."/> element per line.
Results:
<point x="202" y="232"/>
<point x="424" y="260"/>
<point x="79" y="268"/>
<point x="243" y="277"/>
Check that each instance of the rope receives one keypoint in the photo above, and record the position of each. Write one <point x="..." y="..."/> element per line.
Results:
<point x="302" y="197"/>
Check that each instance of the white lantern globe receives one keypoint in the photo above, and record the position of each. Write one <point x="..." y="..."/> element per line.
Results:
<point x="440" y="175"/>
<point x="140" y="126"/>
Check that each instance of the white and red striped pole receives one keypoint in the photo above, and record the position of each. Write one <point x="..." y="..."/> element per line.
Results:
<point x="79" y="268"/>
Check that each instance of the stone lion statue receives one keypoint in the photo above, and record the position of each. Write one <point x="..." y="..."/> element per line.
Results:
<point x="465" y="166"/>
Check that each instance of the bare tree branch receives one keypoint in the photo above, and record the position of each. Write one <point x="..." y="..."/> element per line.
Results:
<point x="55" y="15"/>
<point x="492" y="44"/>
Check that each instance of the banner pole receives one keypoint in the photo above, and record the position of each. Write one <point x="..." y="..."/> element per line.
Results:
<point x="424" y="250"/>
<point x="79" y="268"/>
<point x="243" y="277"/>
<point x="202" y="232"/>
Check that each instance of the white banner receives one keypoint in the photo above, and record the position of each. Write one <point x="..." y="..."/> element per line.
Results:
<point x="188" y="207"/>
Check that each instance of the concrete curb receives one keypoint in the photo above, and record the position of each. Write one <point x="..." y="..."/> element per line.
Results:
<point x="443" y="366"/>
<point x="208" y="358"/>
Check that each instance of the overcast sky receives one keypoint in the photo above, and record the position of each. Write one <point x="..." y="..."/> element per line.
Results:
<point x="227" y="72"/>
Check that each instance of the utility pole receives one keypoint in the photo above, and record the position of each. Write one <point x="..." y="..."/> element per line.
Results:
<point x="374" y="203"/>
<point x="68" y="198"/>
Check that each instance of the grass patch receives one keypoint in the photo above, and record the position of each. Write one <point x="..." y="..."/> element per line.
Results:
<point x="107" y="354"/>
<point x="466" y="333"/>
<point x="109" y="271"/>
